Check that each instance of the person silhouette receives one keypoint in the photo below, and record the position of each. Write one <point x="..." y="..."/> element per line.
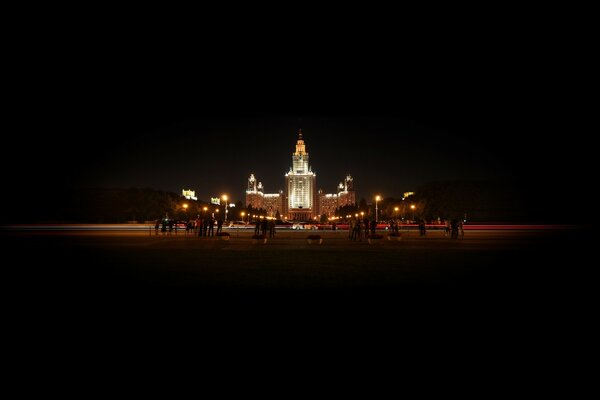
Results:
<point x="422" y="228"/>
<point x="454" y="228"/>
<point x="271" y="228"/>
<point x="257" y="227"/>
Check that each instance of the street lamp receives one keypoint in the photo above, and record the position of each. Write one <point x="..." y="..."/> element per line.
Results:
<point x="412" y="207"/>
<point x="377" y="198"/>
<point x="224" y="197"/>
<point x="185" y="207"/>
<point x="242" y="214"/>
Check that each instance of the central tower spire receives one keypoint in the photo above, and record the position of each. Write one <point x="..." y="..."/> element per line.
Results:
<point x="300" y="146"/>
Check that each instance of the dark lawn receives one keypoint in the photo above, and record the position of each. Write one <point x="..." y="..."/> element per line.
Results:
<point x="517" y="293"/>
<point x="495" y="270"/>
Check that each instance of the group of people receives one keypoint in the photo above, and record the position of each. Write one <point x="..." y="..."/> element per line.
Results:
<point x="199" y="226"/>
<point x="359" y="228"/>
<point x="263" y="225"/>
<point x="454" y="228"/>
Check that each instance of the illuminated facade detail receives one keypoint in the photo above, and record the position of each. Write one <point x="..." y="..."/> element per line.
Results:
<point x="300" y="185"/>
<point x="270" y="202"/>
<point x="189" y="194"/>
<point x="273" y="202"/>
<point x="328" y="202"/>
<point x="300" y="201"/>
<point x="254" y="195"/>
<point x="346" y="195"/>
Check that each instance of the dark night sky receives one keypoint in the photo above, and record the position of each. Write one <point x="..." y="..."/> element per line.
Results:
<point x="389" y="144"/>
<point x="385" y="154"/>
<point x="393" y="119"/>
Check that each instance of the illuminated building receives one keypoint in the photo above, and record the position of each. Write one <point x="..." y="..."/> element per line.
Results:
<point x="328" y="202"/>
<point x="346" y="195"/>
<point x="299" y="201"/>
<point x="270" y="202"/>
<point x="300" y="185"/>
<point x="254" y="193"/>
<point x="189" y="194"/>
<point x="273" y="202"/>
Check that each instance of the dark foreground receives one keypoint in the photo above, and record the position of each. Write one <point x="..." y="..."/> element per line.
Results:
<point x="486" y="274"/>
<point x="505" y="298"/>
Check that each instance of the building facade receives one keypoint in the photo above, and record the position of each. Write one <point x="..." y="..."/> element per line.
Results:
<point x="299" y="201"/>
<point x="300" y="185"/>
<point x="328" y="202"/>
<point x="273" y="203"/>
<point x="189" y="194"/>
<point x="254" y="193"/>
<point x="270" y="202"/>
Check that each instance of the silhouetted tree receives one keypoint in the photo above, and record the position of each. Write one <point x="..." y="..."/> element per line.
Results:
<point x="362" y="205"/>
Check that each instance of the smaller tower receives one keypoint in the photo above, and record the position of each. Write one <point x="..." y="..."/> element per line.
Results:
<point x="251" y="183"/>
<point x="349" y="183"/>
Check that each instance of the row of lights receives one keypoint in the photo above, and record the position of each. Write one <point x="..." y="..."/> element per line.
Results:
<point x="377" y="199"/>
<point x="254" y="216"/>
<point x="224" y="197"/>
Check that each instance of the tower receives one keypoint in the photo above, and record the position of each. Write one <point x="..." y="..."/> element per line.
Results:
<point x="300" y="184"/>
<point x="346" y="193"/>
<point x="254" y="193"/>
<point x="251" y="184"/>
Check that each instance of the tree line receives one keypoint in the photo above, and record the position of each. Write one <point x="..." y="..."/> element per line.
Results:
<point x="476" y="201"/>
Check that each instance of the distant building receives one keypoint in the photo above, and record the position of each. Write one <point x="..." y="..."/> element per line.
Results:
<point x="346" y="195"/>
<point x="254" y="193"/>
<point x="299" y="201"/>
<point x="271" y="202"/>
<point x="328" y="202"/>
<point x="189" y="194"/>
